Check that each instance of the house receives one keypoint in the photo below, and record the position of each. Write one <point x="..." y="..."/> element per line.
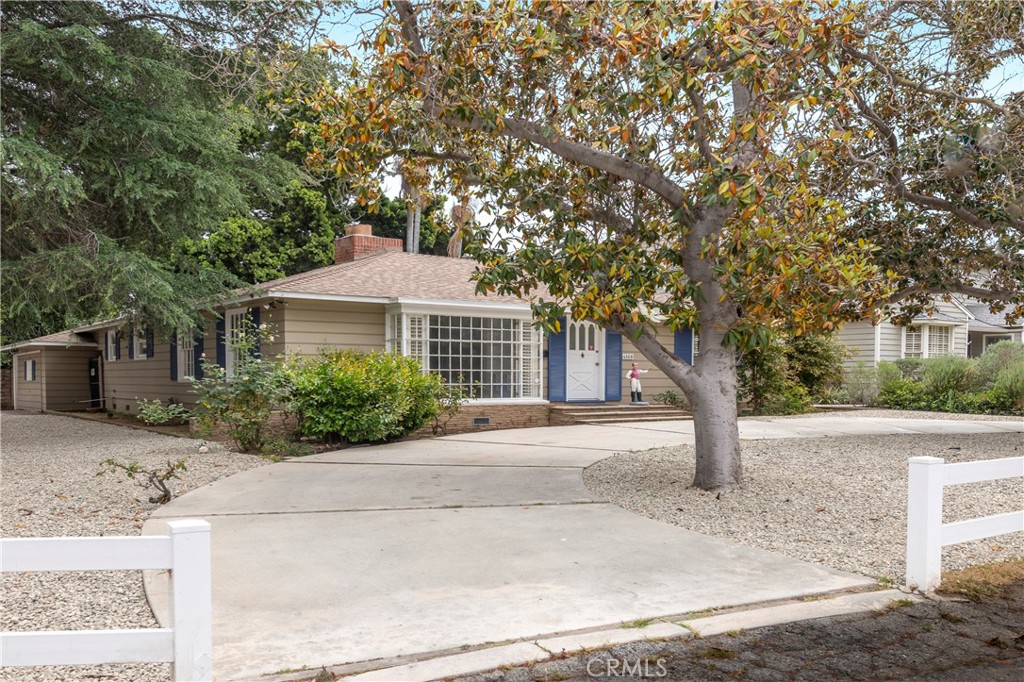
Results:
<point x="374" y="297"/>
<point x="962" y="327"/>
<point x="943" y="332"/>
<point x="985" y="327"/>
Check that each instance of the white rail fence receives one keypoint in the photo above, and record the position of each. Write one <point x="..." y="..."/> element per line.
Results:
<point x="187" y="644"/>
<point x="927" y="535"/>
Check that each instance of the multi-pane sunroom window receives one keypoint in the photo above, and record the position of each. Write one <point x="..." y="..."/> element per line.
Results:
<point x="494" y="358"/>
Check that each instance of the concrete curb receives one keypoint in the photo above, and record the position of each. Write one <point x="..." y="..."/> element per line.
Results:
<point x="545" y="648"/>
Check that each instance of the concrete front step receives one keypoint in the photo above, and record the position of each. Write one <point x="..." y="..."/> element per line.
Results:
<point x="616" y="412"/>
<point x="641" y="418"/>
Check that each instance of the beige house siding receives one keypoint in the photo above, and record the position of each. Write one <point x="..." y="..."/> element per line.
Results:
<point x="655" y="381"/>
<point x="67" y="377"/>
<point x="28" y="395"/>
<point x="128" y="380"/>
<point x="311" y="325"/>
<point x="859" y="339"/>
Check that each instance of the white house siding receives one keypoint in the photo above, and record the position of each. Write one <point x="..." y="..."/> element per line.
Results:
<point x="890" y="341"/>
<point x="859" y="339"/>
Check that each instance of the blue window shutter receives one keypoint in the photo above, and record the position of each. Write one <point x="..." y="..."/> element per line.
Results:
<point x="254" y="317"/>
<point x="106" y="345"/>
<point x="556" y="365"/>
<point x="131" y="342"/>
<point x="683" y="345"/>
<point x="150" y="346"/>
<point x="197" y="356"/>
<point x="222" y="355"/>
<point x="613" y="366"/>
<point x="117" y="345"/>
<point x="174" y="355"/>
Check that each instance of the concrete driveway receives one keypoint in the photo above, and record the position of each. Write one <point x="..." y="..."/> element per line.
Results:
<point x="423" y="546"/>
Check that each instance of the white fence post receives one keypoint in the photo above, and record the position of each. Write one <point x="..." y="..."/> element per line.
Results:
<point x="191" y="600"/>
<point x="924" y="523"/>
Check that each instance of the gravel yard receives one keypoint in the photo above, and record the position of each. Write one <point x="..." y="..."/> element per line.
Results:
<point x="834" y="501"/>
<point x="49" y="487"/>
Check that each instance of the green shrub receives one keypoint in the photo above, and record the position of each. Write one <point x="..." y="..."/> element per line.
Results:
<point x="762" y="376"/>
<point x="816" y="362"/>
<point x="673" y="398"/>
<point x="362" y="397"/>
<point x="1010" y="383"/>
<point x="996" y="358"/>
<point x="244" y="403"/>
<point x="902" y="394"/>
<point x="910" y="368"/>
<point x="153" y="412"/>
<point x="795" y="399"/>
<point x="949" y="374"/>
<point x="887" y="373"/>
<point x="860" y="386"/>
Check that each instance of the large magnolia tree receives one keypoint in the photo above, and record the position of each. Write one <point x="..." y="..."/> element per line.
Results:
<point x="733" y="167"/>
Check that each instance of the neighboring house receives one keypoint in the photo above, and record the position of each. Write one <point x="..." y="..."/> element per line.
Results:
<point x="986" y="327"/>
<point x="374" y="297"/>
<point x="944" y="332"/>
<point x="56" y="372"/>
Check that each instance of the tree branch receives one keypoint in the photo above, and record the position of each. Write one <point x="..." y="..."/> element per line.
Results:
<point x="980" y="293"/>
<point x="917" y="85"/>
<point x="528" y="131"/>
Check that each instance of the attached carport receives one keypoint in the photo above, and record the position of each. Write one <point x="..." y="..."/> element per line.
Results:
<point x="56" y="372"/>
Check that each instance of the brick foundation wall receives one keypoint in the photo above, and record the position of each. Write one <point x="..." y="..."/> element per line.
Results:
<point x="500" y="416"/>
<point x="6" y="390"/>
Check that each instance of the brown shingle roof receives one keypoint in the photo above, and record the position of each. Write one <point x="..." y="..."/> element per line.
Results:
<point x="392" y="274"/>
<point x="64" y="338"/>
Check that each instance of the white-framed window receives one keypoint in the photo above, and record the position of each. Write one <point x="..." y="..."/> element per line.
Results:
<point x="186" y="357"/>
<point x="234" y="328"/>
<point x="939" y="341"/>
<point x="989" y="339"/>
<point x="140" y="345"/>
<point x="494" y="358"/>
<point x="112" y="346"/>
<point x="30" y="370"/>
<point x="914" y="347"/>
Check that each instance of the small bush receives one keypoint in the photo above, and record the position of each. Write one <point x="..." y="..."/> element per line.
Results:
<point x="887" y="373"/>
<point x="817" y="363"/>
<point x="244" y="403"/>
<point x="949" y="374"/>
<point x="673" y="398"/>
<point x="996" y="358"/>
<point x="910" y="368"/>
<point x="153" y="412"/>
<point x="902" y="394"/>
<point x="363" y="397"/>
<point x="1010" y="383"/>
<point x="861" y="385"/>
<point x="762" y="376"/>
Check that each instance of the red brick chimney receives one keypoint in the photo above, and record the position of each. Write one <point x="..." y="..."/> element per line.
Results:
<point x="359" y="242"/>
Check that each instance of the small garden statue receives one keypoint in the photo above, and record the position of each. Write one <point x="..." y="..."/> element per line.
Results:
<point x="635" y="389"/>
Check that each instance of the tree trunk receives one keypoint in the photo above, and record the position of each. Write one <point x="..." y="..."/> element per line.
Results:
<point x="710" y="386"/>
<point x="716" y="433"/>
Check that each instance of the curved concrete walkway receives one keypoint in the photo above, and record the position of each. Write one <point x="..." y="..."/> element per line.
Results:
<point x="422" y="546"/>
